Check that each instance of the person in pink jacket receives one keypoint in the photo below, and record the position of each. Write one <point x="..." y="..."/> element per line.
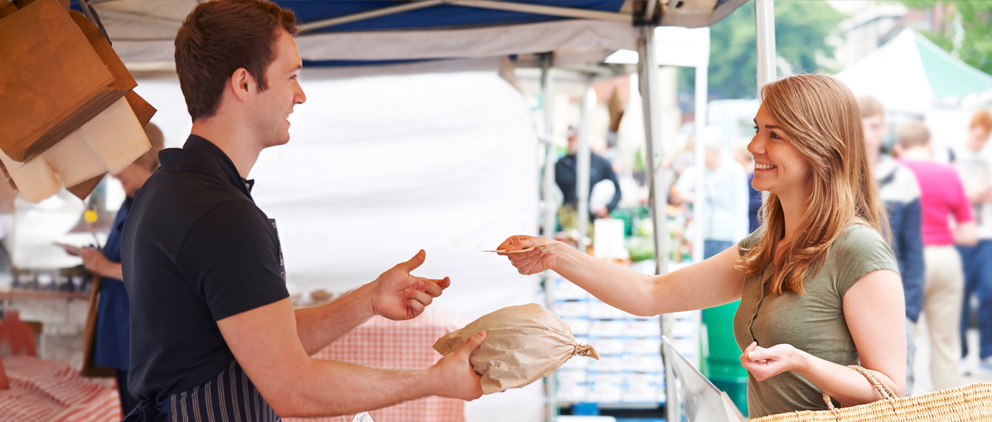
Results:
<point x="942" y="198"/>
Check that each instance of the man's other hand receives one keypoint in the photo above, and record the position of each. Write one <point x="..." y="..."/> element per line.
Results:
<point x="398" y="295"/>
<point x="455" y="376"/>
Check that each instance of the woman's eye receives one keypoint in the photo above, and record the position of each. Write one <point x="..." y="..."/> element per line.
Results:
<point x="755" y="128"/>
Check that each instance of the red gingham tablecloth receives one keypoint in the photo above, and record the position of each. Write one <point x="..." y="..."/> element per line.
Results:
<point x="44" y="390"/>
<point x="381" y="343"/>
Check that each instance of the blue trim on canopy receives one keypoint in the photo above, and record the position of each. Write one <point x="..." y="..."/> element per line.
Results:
<point x="440" y="16"/>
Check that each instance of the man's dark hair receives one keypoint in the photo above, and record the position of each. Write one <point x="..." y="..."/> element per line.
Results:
<point x="219" y="37"/>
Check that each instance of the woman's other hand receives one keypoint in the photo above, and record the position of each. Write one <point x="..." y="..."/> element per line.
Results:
<point x="542" y="255"/>
<point x="766" y="363"/>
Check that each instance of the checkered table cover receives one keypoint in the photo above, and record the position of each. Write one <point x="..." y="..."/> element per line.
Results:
<point x="44" y="390"/>
<point x="381" y="343"/>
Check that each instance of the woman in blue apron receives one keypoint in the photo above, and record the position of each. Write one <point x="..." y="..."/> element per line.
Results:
<point x="111" y="344"/>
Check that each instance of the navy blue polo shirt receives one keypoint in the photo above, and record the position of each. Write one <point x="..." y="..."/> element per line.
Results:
<point x="196" y="249"/>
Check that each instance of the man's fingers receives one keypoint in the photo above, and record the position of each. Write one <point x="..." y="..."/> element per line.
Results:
<point x="419" y="296"/>
<point x="472" y="343"/>
<point x="444" y="283"/>
<point x="431" y="287"/>
<point x="415" y="308"/>
<point x="414" y="262"/>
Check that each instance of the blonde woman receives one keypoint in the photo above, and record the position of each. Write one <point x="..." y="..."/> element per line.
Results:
<point x="818" y="284"/>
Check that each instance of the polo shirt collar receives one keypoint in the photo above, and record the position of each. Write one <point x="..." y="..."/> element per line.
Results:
<point x="219" y="162"/>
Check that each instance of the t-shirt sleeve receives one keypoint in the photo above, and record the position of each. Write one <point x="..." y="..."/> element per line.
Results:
<point x="962" y="208"/>
<point x="860" y="251"/>
<point x="231" y="257"/>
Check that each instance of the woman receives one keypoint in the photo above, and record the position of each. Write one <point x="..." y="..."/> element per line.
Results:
<point x="111" y="343"/>
<point x="819" y="286"/>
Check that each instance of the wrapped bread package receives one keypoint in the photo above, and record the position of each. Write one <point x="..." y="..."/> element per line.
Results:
<point x="523" y="344"/>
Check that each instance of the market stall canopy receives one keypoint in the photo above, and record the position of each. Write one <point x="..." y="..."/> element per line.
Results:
<point x="911" y="74"/>
<point x="359" y="32"/>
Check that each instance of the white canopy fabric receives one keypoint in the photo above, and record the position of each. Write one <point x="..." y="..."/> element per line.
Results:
<point x="911" y="75"/>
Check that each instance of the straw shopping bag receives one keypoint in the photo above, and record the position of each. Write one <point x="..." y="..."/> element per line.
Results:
<point x="971" y="403"/>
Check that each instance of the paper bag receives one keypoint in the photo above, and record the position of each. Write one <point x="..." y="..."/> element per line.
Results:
<point x="108" y="143"/>
<point x="51" y="79"/>
<point x="523" y="344"/>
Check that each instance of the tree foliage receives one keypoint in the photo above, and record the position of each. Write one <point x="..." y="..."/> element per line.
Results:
<point x="801" y="28"/>
<point x="976" y="21"/>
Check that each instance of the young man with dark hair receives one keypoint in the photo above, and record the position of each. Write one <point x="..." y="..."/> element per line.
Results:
<point x="214" y="336"/>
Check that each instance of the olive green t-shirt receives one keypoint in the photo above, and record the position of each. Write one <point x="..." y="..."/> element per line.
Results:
<point x="813" y="322"/>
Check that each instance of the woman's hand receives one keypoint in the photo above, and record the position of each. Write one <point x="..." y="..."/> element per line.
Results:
<point x="96" y="263"/>
<point x="766" y="363"/>
<point x="542" y="257"/>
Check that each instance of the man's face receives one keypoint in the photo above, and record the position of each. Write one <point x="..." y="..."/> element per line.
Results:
<point x="873" y="128"/>
<point x="978" y="137"/>
<point x="273" y="106"/>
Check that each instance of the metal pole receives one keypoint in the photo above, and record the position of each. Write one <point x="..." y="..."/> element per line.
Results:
<point x="657" y="190"/>
<point x="550" y="208"/>
<point x="582" y="160"/>
<point x="764" y="26"/>
<point x="699" y="212"/>
<point x="548" y="182"/>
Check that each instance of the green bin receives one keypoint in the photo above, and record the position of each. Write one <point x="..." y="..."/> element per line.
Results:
<point x="720" y="333"/>
<point x="736" y="388"/>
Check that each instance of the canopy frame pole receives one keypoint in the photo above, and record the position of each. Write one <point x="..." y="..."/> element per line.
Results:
<point x="548" y="182"/>
<point x="700" y="212"/>
<point x="549" y="211"/>
<point x="657" y="195"/>
<point x="582" y="163"/>
<point x="764" y="26"/>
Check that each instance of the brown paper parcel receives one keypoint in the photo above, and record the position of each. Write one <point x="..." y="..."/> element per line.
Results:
<point x="523" y="344"/>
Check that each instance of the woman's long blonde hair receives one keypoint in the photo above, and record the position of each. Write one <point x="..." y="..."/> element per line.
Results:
<point x="820" y="116"/>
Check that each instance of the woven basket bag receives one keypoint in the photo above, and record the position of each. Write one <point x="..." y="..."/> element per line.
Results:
<point x="970" y="403"/>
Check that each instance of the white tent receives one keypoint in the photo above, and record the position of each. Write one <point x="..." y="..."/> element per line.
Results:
<point x="911" y="75"/>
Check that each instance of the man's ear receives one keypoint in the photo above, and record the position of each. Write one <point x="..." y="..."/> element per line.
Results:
<point x="242" y="84"/>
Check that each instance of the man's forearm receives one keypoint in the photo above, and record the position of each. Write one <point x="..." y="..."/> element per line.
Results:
<point x="321" y="325"/>
<point x="354" y="389"/>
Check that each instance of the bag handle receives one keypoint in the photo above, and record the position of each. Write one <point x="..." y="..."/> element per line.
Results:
<point x="880" y="386"/>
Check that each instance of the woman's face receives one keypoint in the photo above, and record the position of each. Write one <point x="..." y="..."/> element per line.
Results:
<point x="778" y="166"/>
<point x="133" y="177"/>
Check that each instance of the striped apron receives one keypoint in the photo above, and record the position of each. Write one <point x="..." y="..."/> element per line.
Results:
<point x="231" y="397"/>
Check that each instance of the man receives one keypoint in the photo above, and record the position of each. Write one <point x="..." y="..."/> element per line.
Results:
<point x="900" y="192"/>
<point x="941" y="197"/>
<point x="213" y="334"/>
<point x="976" y="173"/>
<point x="600" y="170"/>
<point x="725" y="195"/>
